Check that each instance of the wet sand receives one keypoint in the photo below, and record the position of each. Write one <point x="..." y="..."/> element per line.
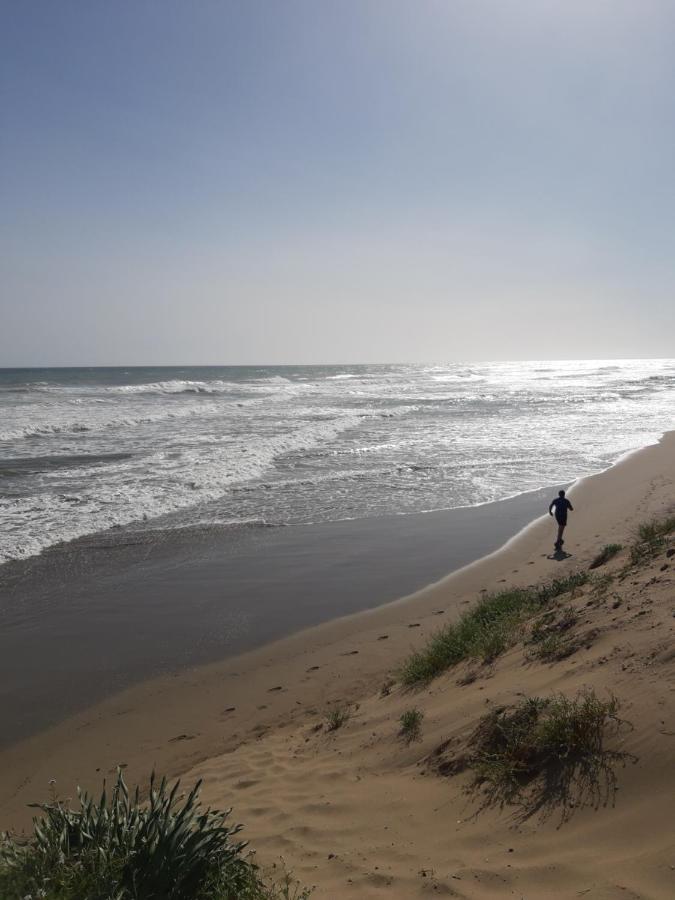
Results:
<point x="88" y="619"/>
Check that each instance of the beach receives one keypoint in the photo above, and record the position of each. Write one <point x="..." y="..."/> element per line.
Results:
<point x="360" y="814"/>
<point x="337" y="451"/>
<point x="144" y="604"/>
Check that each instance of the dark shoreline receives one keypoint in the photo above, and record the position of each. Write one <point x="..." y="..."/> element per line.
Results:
<point x="90" y="618"/>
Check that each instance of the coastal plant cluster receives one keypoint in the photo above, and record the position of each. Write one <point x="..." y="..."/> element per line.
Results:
<point x="487" y="630"/>
<point x="117" y="847"/>
<point x="546" y="751"/>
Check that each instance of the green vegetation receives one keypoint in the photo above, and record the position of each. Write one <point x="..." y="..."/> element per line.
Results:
<point x="486" y="630"/>
<point x="119" y="848"/>
<point x="546" y="752"/>
<point x="604" y="556"/>
<point x="411" y="722"/>
<point x="336" y="718"/>
<point x="651" y="539"/>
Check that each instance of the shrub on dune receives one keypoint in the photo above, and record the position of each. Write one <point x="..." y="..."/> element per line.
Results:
<point x="117" y="847"/>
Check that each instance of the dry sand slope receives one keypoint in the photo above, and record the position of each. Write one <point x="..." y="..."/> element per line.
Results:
<point x="358" y="812"/>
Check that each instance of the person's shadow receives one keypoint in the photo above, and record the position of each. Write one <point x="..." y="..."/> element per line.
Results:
<point x="559" y="555"/>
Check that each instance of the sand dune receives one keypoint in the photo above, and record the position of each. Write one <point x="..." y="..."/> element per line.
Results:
<point x="357" y="812"/>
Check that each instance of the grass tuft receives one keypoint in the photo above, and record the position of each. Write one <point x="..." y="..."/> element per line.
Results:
<point x="485" y="631"/>
<point x="119" y="847"/>
<point x="549" y="637"/>
<point x="544" y="753"/>
<point x="337" y="717"/>
<point x="604" y="556"/>
<point x="411" y="723"/>
<point x="650" y="539"/>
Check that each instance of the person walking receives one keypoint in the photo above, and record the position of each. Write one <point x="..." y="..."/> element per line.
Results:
<point x="561" y="505"/>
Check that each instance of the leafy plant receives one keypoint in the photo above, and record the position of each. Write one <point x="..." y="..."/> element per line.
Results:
<point x="119" y="848"/>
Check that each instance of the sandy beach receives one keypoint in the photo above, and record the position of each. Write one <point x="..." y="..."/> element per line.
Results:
<point x="358" y="813"/>
<point x="142" y="604"/>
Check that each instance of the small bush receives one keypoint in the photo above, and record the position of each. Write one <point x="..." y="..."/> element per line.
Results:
<point x="607" y="552"/>
<point x="118" y="847"/>
<point x="485" y="631"/>
<point x="411" y="722"/>
<point x="546" y="752"/>
<point x="336" y="718"/>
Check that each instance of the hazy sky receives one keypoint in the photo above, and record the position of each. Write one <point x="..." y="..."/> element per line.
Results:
<point x="336" y="180"/>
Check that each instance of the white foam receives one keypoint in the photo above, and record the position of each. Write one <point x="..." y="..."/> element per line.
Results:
<point x="343" y="443"/>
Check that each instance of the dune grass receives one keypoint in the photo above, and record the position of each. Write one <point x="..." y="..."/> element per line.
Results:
<point x="650" y="539"/>
<point x="117" y="847"/>
<point x="543" y="753"/>
<point x="549" y="639"/>
<point x="336" y="718"/>
<point x="411" y="725"/>
<point x="485" y="631"/>
<point x="604" y="556"/>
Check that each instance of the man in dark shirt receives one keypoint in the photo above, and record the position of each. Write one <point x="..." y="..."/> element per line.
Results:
<point x="561" y="504"/>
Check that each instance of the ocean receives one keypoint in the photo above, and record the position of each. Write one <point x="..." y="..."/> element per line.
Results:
<point x="87" y="449"/>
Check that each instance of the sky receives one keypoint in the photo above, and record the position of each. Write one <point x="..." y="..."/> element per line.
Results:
<point x="335" y="181"/>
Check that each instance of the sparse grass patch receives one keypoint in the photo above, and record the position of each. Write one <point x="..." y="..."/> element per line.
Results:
<point x="552" y="648"/>
<point x="651" y="539"/>
<point x="545" y="753"/>
<point x="485" y="631"/>
<point x="604" y="556"/>
<point x="119" y="847"/>
<point x="549" y="637"/>
<point x="601" y="583"/>
<point x="411" y="723"/>
<point x="656" y="528"/>
<point x="337" y="717"/>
